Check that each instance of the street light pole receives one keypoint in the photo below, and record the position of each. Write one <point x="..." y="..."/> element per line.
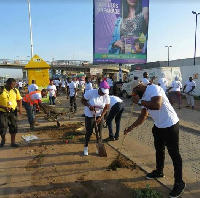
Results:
<point x="168" y="46"/>
<point x="195" y="42"/>
<point x="31" y="37"/>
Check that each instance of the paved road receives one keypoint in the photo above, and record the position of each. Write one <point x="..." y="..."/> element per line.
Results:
<point x="139" y="147"/>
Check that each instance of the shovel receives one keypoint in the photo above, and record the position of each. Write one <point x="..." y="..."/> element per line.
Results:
<point x="100" y="146"/>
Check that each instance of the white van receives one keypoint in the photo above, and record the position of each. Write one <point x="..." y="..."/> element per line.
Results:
<point x="170" y="74"/>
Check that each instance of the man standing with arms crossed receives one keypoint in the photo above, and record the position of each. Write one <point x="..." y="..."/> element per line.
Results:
<point x="165" y="130"/>
<point x="9" y="100"/>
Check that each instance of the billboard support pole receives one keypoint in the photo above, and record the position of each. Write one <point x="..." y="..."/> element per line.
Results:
<point x="120" y="72"/>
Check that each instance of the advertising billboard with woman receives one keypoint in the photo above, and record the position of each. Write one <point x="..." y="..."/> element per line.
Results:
<point x="120" y="27"/>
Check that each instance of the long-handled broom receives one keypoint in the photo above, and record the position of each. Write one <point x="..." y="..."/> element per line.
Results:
<point x="118" y="163"/>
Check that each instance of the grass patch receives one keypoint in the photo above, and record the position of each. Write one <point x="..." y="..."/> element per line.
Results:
<point x="147" y="192"/>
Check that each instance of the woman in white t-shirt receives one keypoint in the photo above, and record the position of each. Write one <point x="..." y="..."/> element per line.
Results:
<point x="96" y="101"/>
<point x="51" y="88"/>
<point x="175" y="92"/>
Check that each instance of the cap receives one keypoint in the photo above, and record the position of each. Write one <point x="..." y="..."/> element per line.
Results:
<point x="104" y="87"/>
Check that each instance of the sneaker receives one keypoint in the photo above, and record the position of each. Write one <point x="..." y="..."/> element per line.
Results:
<point x="177" y="190"/>
<point x="36" y="124"/>
<point x="97" y="152"/>
<point x="32" y="127"/>
<point x="110" y="139"/>
<point x="154" y="174"/>
<point x="85" y="152"/>
<point x="15" y="145"/>
<point x="116" y="138"/>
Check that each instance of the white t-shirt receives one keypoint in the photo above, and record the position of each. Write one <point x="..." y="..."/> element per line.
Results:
<point x="36" y="96"/>
<point x="114" y="100"/>
<point x="176" y="86"/>
<point x="189" y="85"/>
<point x="32" y="87"/>
<point x="72" y="87"/>
<point x="57" y="82"/>
<point x="145" y="81"/>
<point x="166" y="116"/>
<point x="52" y="90"/>
<point x="110" y="82"/>
<point x="88" y="86"/>
<point x="20" y="84"/>
<point x="63" y="84"/>
<point x="163" y="83"/>
<point x="94" y="99"/>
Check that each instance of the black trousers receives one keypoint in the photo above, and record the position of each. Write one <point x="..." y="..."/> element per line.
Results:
<point x="89" y="125"/>
<point x="72" y="101"/>
<point x="168" y="137"/>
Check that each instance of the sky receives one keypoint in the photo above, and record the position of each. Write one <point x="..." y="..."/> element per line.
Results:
<point x="63" y="29"/>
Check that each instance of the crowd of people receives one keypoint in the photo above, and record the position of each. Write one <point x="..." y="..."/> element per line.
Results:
<point x="102" y="107"/>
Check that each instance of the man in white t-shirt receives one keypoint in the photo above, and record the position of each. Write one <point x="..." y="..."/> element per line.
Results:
<point x="32" y="87"/>
<point x="30" y="99"/>
<point x="72" y="92"/>
<point x="57" y="84"/>
<point x="88" y="84"/>
<point x="188" y="89"/>
<point x="20" y="85"/>
<point x="144" y="79"/>
<point x="51" y="88"/>
<point x="163" y="82"/>
<point x="165" y="130"/>
<point x="96" y="101"/>
<point x="116" y="109"/>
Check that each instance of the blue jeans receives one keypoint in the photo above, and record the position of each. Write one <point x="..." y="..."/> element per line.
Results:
<point x="52" y="100"/>
<point x="115" y="112"/>
<point x="29" y="111"/>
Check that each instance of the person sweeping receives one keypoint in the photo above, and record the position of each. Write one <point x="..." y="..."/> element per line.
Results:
<point x="96" y="101"/>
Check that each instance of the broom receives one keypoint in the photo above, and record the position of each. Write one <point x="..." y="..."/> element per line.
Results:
<point x="119" y="162"/>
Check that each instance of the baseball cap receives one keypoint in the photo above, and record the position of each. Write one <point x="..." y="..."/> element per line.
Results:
<point x="104" y="87"/>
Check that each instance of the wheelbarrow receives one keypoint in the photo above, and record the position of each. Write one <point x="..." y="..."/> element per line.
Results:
<point x="54" y="112"/>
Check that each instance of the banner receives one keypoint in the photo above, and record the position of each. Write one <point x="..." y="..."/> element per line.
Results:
<point x="120" y="31"/>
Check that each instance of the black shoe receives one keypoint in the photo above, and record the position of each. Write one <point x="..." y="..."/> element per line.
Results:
<point x="2" y="142"/>
<point x="110" y="139"/>
<point x="15" y="145"/>
<point x="116" y="138"/>
<point x="154" y="174"/>
<point x="83" y="115"/>
<point x="177" y="190"/>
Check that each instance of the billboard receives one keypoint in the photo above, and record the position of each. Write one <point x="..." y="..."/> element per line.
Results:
<point x="120" y="31"/>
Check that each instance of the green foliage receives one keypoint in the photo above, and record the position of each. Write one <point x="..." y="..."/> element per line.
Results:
<point x="147" y="193"/>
